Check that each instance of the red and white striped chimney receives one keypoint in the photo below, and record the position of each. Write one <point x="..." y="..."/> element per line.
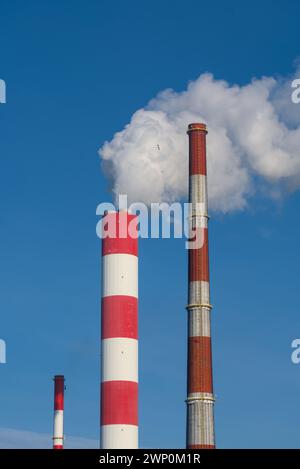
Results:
<point x="58" y="424"/>
<point x="200" y="398"/>
<point x="119" y="331"/>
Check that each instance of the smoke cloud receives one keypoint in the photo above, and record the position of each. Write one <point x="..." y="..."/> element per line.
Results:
<point x="253" y="143"/>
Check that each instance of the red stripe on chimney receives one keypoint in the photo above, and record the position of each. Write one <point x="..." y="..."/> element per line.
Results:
<point x="119" y="317"/>
<point x="199" y="260"/>
<point x="200" y="365"/>
<point x="119" y="403"/>
<point x="121" y="233"/>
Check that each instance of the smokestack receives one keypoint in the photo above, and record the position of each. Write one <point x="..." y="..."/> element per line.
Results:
<point x="200" y="398"/>
<point x="119" y="332"/>
<point x="58" y="425"/>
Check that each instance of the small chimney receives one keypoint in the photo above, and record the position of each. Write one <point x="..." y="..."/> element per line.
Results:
<point x="58" y="425"/>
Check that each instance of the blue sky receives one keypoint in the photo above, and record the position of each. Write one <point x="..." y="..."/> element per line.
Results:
<point x="75" y="73"/>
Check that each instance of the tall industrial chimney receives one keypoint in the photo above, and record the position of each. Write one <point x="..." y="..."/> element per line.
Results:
<point x="119" y="331"/>
<point x="200" y="398"/>
<point x="58" y="424"/>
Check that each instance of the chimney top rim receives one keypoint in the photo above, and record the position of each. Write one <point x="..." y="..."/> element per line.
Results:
<point x="200" y="126"/>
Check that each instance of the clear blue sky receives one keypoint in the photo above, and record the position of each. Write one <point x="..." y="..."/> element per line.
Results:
<point x="75" y="72"/>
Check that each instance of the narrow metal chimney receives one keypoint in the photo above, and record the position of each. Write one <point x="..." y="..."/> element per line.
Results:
<point x="58" y="424"/>
<point x="119" y="332"/>
<point x="200" y="398"/>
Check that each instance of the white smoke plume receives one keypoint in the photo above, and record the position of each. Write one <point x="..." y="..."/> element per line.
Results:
<point x="253" y="143"/>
